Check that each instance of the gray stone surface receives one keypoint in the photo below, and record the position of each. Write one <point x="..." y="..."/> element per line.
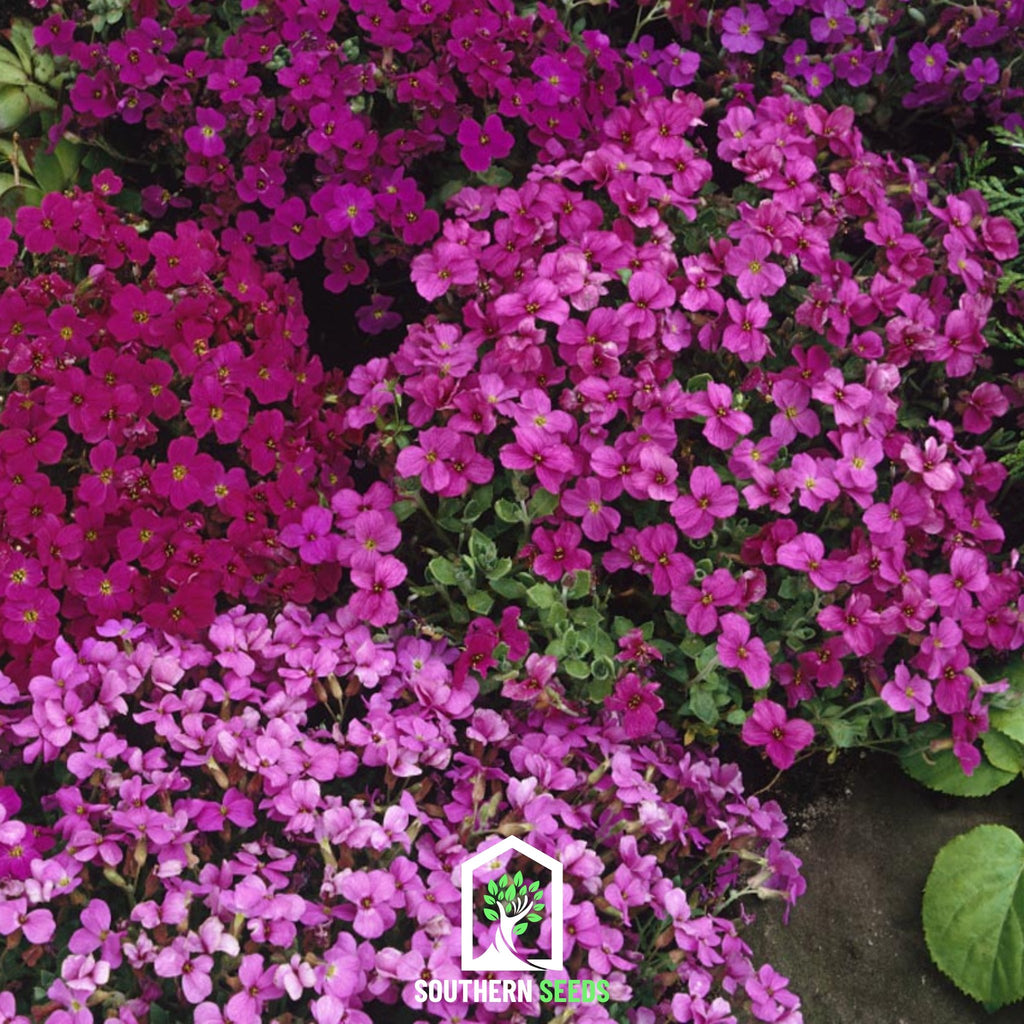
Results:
<point x="854" y="949"/>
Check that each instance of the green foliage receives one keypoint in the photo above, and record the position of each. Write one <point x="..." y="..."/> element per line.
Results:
<point x="973" y="914"/>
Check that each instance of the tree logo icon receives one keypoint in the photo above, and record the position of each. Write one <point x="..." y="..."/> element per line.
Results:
<point x="512" y="900"/>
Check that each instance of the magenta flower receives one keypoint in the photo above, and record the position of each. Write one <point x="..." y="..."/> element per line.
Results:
<point x="806" y="553"/>
<point x="375" y="601"/>
<point x="481" y="144"/>
<point x="559" y="552"/>
<point x="724" y="424"/>
<point x="782" y="738"/>
<point x="312" y="536"/>
<point x="204" y="136"/>
<point x="709" y="499"/>
<point x="371" y="892"/>
<point x="536" y="450"/>
<point x="352" y="210"/>
<point x="585" y="501"/>
<point x="742" y="28"/>
<point x="737" y="649"/>
<point x="638" y="703"/>
<point x="428" y="459"/>
<point x="756" y="276"/>
<point x="906" y="692"/>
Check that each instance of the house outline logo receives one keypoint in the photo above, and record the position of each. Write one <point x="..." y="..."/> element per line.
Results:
<point x="489" y="960"/>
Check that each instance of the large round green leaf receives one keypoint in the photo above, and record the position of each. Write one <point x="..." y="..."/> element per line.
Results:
<point x="973" y="914"/>
<point x="942" y="772"/>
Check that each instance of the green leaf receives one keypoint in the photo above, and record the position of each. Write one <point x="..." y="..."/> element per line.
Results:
<point x="512" y="590"/>
<point x="482" y="549"/>
<point x="582" y="580"/>
<point x="503" y="881"/>
<point x="542" y="595"/>
<point x="1005" y="754"/>
<point x="488" y="898"/>
<point x="480" y="602"/>
<point x="517" y="878"/>
<point x="443" y="571"/>
<point x="542" y="503"/>
<point x="478" y="504"/>
<point x="508" y="511"/>
<point x="534" y="886"/>
<point x="942" y="772"/>
<point x="576" y="668"/>
<point x="534" y="917"/>
<point x="403" y="509"/>
<point x="520" y="928"/>
<point x="491" y="915"/>
<point x="1009" y="721"/>
<point x="502" y="567"/>
<point x="973" y="914"/>
<point x="842" y="732"/>
<point x="12" y="199"/>
<point x="703" y="705"/>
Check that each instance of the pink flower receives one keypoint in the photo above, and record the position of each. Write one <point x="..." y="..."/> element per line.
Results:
<point x="905" y="692"/>
<point x="737" y="649"/>
<point x="559" y="552"/>
<point x="724" y="424"/>
<point x="638" y="703"/>
<point x="481" y="144"/>
<point x="599" y="521"/>
<point x="741" y="28"/>
<point x="312" y="536"/>
<point x="806" y="553"/>
<point x="709" y="499"/>
<point x="204" y="136"/>
<point x="782" y="738"/>
<point x="756" y="275"/>
<point x="371" y="892"/>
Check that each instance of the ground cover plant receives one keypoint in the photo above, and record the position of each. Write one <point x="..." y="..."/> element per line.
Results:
<point x="434" y="422"/>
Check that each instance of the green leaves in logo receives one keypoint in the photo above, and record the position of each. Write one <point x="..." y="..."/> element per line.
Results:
<point x="491" y="915"/>
<point x="520" y="928"/>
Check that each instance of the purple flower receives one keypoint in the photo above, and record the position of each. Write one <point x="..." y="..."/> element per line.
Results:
<point x="927" y="63"/>
<point x="782" y="738"/>
<point x="639" y="704"/>
<point x="737" y="649"/>
<point x="204" y="136"/>
<point x="371" y="892"/>
<point x="906" y="692"/>
<point x="481" y="144"/>
<point x="741" y="28"/>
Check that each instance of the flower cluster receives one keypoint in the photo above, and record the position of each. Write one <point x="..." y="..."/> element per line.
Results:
<point x="737" y="422"/>
<point x="957" y="60"/>
<point x="268" y="819"/>
<point x="167" y="442"/>
<point x="305" y="128"/>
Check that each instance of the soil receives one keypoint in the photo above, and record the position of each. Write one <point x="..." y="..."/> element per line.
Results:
<point x="854" y="949"/>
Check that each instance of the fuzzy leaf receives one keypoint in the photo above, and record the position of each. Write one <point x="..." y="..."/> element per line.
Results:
<point x="1005" y="754"/>
<point x="443" y="571"/>
<point x="491" y="915"/>
<point x="942" y="772"/>
<point x="973" y="914"/>
<point x="542" y="503"/>
<point x="1010" y="722"/>
<point x="508" y="511"/>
